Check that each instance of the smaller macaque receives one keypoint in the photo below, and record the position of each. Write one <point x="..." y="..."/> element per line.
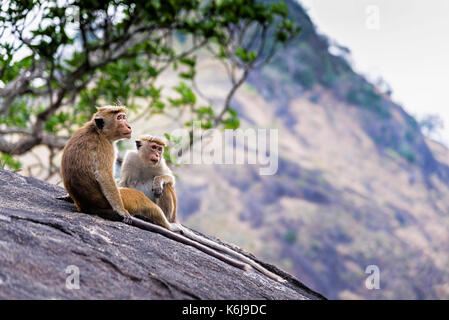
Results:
<point x="145" y="170"/>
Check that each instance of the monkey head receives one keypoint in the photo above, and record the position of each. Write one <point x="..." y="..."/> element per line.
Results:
<point x="111" y="120"/>
<point x="151" y="149"/>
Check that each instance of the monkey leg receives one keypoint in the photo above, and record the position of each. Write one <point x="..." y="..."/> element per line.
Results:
<point x="68" y="198"/>
<point x="212" y="244"/>
<point x="140" y="206"/>
<point x="167" y="202"/>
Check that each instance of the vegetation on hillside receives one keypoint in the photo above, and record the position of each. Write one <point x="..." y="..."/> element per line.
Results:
<point x="61" y="59"/>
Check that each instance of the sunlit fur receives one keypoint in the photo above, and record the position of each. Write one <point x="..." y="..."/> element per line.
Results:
<point x="149" y="138"/>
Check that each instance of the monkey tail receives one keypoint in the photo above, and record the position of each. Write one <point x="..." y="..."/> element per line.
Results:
<point x="233" y="253"/>
<point x="175" y="203"/>
<point x="177" y="237"/>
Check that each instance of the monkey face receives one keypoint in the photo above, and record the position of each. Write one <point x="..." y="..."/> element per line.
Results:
<point x="155" y="152"/>
<point x="123" y="127"/>
<point x="113" y="125"/>
<point x="150" y="151"/>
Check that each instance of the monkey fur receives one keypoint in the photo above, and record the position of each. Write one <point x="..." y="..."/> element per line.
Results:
<point x="87" y="172"/>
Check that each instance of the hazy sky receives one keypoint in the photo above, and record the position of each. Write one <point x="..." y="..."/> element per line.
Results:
<point x="404" y="41"/>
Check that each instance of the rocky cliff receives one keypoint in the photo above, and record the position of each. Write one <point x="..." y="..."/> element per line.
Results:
<point x="43" y="240"/>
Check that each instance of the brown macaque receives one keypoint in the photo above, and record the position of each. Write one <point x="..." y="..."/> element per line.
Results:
<point x="87" y="173"/>
<point x="145" y="170"/>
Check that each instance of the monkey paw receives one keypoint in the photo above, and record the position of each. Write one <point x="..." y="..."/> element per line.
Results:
<point x="127" y="219"/>
<point x="157" y="191"/>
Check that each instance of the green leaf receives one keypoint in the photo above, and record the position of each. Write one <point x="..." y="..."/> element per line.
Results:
<point x="7" y="161"/>
<point x="242" y="54"/>
<point x="231" y="121"/>
<point x="205" y="111"/>
<point x="252" y="56"/>
<point x="187" y="75"/>
<point x="188" y="61"/>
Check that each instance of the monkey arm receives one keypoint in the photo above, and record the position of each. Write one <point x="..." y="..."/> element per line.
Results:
<point x="126" y="172"/>
<point x="129" y="171"/>
<point x="124" y="181"/>
<point x="159" y="182"/>
<point x="110" y="191"/>
<point x="163" y="180"/>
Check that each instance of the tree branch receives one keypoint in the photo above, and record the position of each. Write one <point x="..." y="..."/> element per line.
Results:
<point x="48" y="139"/>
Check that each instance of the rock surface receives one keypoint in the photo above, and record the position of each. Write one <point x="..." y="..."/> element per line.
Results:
<point x="40" y="237"/>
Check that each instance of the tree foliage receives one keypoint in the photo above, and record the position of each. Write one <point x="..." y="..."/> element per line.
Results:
<point x="61" y="58"/>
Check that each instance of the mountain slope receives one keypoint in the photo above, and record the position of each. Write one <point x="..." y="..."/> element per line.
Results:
<point x="357" y="183"/>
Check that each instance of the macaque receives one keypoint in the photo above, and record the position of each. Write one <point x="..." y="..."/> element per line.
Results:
<point x="87" y="173"/>
<point x="145" y="170"/>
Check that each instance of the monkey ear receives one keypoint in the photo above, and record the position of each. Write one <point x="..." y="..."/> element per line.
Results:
<point x="99" y="122"/>
<point x="138" y="144"/>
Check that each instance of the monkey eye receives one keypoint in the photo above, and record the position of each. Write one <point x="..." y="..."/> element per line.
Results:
<point x="121" y="117"/>
<point x="153" y="147"/>
<point x="160" y="149"/>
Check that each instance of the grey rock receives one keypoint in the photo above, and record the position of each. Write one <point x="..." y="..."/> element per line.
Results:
<point x="40" y="237"/>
